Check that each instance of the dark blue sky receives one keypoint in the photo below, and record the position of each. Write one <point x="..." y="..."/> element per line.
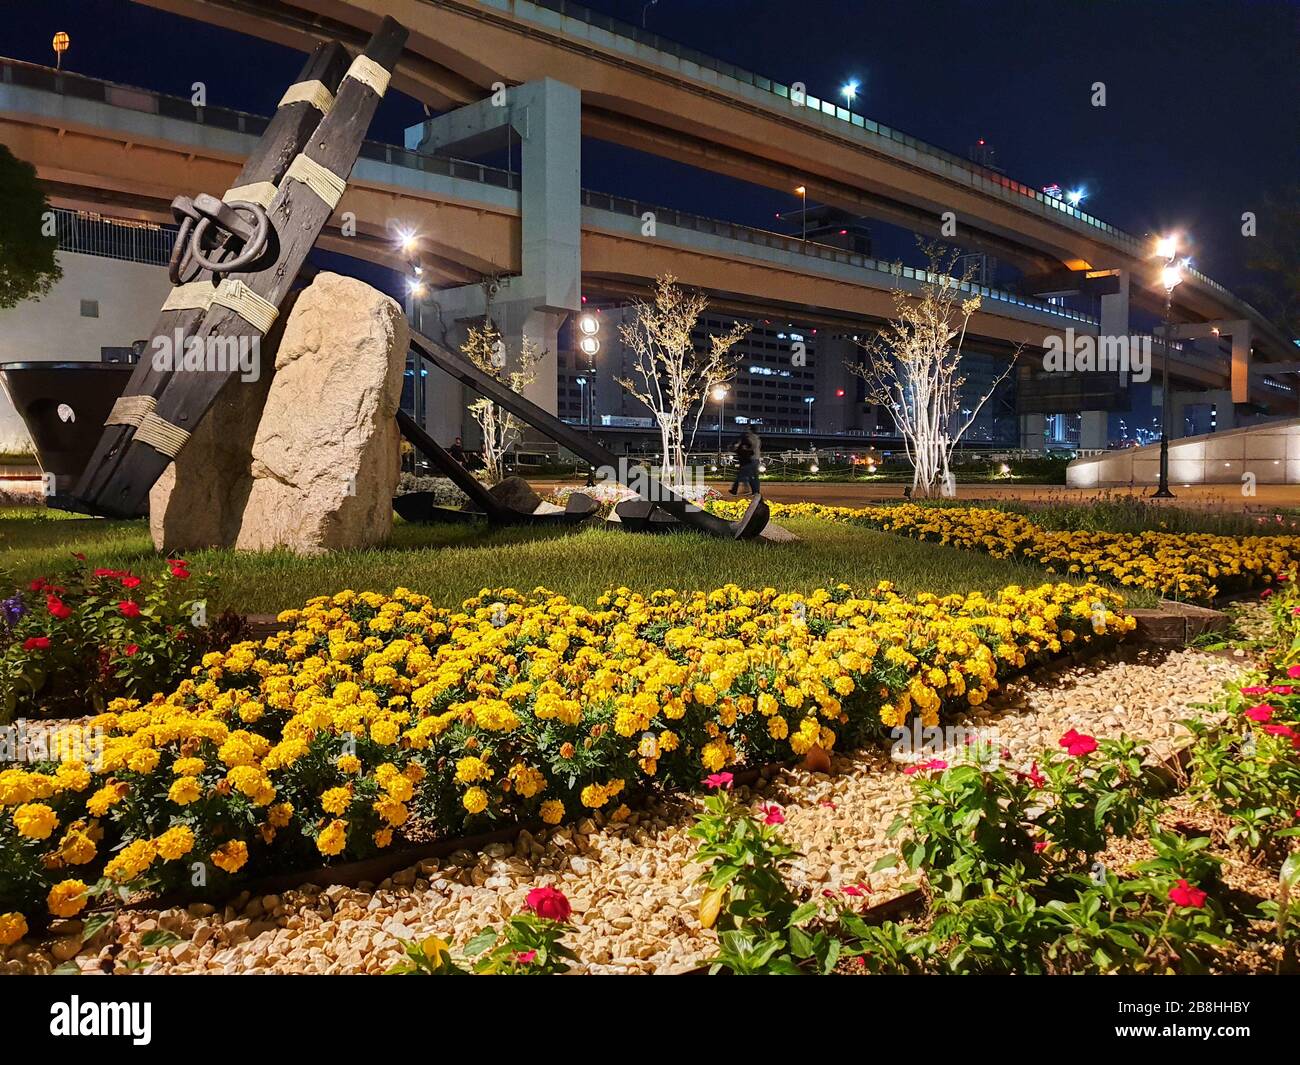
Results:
<point x="1202" y="116"/>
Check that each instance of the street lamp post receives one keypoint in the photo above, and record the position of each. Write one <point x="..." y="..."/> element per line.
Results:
<point x="802" y="190"/>
<point x="1170" y="275"/>
<point x="589" y="345"/>
<point x="720" y="394"/>
<point x="810" y="400"/>
<point x="60" y="45"/>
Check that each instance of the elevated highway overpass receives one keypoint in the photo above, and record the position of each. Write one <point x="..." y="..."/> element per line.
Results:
<point x="646" y="92"/>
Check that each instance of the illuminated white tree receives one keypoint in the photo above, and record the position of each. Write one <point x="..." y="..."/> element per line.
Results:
<point x="669" y="375"/>
<point x="486" y="349"/>
<point x="913" y="368"/>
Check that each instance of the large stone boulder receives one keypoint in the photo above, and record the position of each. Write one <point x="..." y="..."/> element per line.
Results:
<point x="307" y="457"/>
<point x="327" y="456"/>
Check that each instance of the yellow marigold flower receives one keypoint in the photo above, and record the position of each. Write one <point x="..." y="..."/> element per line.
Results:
<point x="280" y="814"/>
<point x="349" y="764"/>
<point x="13" y="926"/>
<point x="131" y="861"/>
<point x="470" y="769"/>
<point x="67" y="899"/>
<point x="175" y="843"/>
<point x="385" y="732"/>
<point x="76" y="847"/>
<point x="106" y="797"/>
<point x="383" y="837"/>
<point x="552" y="811"/>
<point x="527" y="780"/>
<point x="72" y="776"/>
<point x="333" y="838"/>
<point x="231" y="856"/>
<point x="184" y="790"/>
<point x="336" y="800"/>
<point x="35" y="820"/>
<point x="188" y="767"/>
<point x="475" y="800"/>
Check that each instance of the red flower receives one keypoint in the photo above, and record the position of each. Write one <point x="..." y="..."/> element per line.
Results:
<point x="1281" y="730"/>
<point x="827" y="804"/>
<point x="1266" y="593"/>
<point x="180" y="568"/>
<point x="37" y="585"/>
<point x="56" y="606"/>
<point x="108" y="573"/>
<point x="526" y="957"/>
<point x="1281" y="689"/>
<point x="714" y="781"/>
<point x="1261" y="713"/>
<point x="1040" y="846"/>
<point x="79" y="556"/>
<point x="1186" y="894"/>
<point x="1034" y="776"/>
<point x="550" y="903"/>
<point x="130" y="582"/>
<point x="774" y="815"/>
<point x="128" y="609"/>
<point x="1293" y="672"/>
<point x="857" y="890"/>
<point x="1077" y="744"/>
<point x="920" y="767"/>
<point x="36" y="643"/>
<point x="130" y="649"/>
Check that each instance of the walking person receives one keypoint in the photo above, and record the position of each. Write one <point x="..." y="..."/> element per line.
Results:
<point x="749" y="453"/>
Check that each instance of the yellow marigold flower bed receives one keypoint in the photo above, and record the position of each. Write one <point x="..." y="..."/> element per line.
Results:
<point x="1192" y="567"/>
<point x="372" y="710"/>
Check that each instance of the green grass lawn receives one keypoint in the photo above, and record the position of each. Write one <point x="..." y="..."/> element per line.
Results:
<point x="450" y="563"/>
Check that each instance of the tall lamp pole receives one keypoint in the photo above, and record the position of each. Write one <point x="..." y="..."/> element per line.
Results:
<point x="1170" y="275"/>
<point x="589" y="345"/>
<point x="720" y="394"/>
<point x="802" y="190"/>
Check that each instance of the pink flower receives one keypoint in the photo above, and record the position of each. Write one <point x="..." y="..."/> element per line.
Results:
<point x="1282" y="730"/>
<point x="1040" y="846"/>
<point x="526" y="957"/>
<point x="549" y="902"/>
<point x="1261" y="713"/>
<point x="920" y="767"/>
<point x="1281" y="689"/>
<point x="1034" y="776"/>
<point x="130" y="649"/>
<point x="1256" y="689"/>
<point x="128" y="609"/>
<point x="827" y="804"/>
<point x="1186" y="894"/>
<point x="774" y="815"/>
<point x="714" y="781"/>
<point x="1293" y="672"/>
<point x="36" y="643"/>
<point x="1077" y="744"/>
<point x="857" y="890"/>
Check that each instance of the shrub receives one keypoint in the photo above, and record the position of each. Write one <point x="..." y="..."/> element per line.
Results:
<point x="71" y="643"/>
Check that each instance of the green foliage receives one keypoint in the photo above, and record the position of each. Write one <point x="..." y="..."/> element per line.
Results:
<point x="761" y="927"/>
<point x="28" y="267"/>
<point x="72" y="642"/>
<point x="526" y="945"/>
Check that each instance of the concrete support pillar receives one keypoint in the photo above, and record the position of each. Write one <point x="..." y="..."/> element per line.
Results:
<point x="1094" y="430"/>
<point x="543" y="119"/>
<point x="1032" y="432"/>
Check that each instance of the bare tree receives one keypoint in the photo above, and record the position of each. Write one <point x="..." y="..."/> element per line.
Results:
<point x="670" y="376"/>
<point x="486" y="349"/>
<point x="913" y="368"/>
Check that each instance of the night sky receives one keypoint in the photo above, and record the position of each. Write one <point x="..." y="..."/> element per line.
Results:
<point x="1203" y="115"/>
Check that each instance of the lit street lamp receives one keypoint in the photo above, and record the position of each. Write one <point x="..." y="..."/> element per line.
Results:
<point x="849" y="90"/>
<point x="60" y="45"/>
<point x="1170" y="276"/>
<point x="720" y="394"/>
<point x="802" y="190"/>
<point x="589" y="345"/>
<point x="810" y="400"/>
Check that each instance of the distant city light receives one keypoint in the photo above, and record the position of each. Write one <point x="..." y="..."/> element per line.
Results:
<point x="1075" y="196"/>
<point x="849" y="90"/>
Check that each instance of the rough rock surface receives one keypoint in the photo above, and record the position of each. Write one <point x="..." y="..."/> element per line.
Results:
<point x="325" y="460"/>
<point x="632" y="883"/>
<point x="199" y="500"/>
<point x="517" y="494"/>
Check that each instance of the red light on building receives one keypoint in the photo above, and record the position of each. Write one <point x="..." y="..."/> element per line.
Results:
<point x="839" y="392"/>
